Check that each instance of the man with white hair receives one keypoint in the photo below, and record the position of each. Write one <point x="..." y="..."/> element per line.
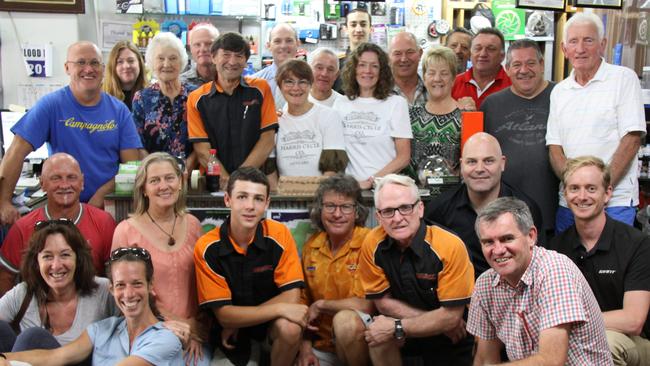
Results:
<point x="79" y="119"/>
<point x="420" y="279"/>
<point x="202" y="70"/>
<point x="283" y="44"/>
<point x="325" y="66"/>
<point x="596" y="111"/>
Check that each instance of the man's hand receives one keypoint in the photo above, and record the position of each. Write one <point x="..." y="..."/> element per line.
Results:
<point x="381" y="330"/>
<point x="458" y="333"/>
<point x="313" y="314"/>
<point x="223" y="180"/>
<point x="8" y="213"/>
<point x="295" y="313"/>
<point x="466" y="104"/>
<point x="306" y="356"/>
<point x="227" y="335"/>
<point x="367" y="184"/>
<point x="194" y="353"/>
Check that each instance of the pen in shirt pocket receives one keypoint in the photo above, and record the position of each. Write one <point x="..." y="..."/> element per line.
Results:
<point x="245" y="111"/>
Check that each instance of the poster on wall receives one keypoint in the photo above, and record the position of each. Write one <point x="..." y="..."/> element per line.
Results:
<point x="510" y="20"/>
<point x="604" y="4"/>
<point x="38" y="59"/>
<point x="44" y="6"/>
<point x="297" y="220"/>
<point x="557" y="5"/>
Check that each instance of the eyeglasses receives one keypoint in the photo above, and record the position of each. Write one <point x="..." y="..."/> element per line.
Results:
<point x="95" y="64"/>
<point x="404" y="210"/>
<point x="290" y="83"/>
<point x="346" y="208"/>
<point x="45" y="223"/>
<point x="135" y="251"/>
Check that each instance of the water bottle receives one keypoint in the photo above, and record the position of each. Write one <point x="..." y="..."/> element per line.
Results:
<point x="213" y="172"/>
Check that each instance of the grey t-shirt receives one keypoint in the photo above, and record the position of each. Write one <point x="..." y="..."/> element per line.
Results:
<point x="519" y="124"/>
<point x="99" y="305"/>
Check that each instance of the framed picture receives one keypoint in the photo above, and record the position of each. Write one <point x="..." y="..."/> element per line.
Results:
<point x="606" y="4"/>
<point x="556" y="5"/>
<point x="43" y="6"/>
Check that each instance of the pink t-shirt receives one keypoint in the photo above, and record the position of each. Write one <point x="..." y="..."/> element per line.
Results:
<point x="174" y="281"/>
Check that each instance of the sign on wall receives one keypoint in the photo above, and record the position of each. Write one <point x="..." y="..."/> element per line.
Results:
<point x="38" y="59"/>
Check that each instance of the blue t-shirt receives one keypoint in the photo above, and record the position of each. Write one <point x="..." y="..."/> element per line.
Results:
<point x="156" y="344"/>
<point x="93" y="135"/>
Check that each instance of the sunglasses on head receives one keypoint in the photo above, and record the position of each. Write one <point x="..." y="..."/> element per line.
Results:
<point x="134" y="251"/>
<point x="45" y="223"/>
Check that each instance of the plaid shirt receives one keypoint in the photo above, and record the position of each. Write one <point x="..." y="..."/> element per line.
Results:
<point x="551" y="292"/>
<point x="420" y="97"/>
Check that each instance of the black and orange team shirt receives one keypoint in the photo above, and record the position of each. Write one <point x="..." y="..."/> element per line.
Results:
<point x="435" y="270"/>
<point x="228" y="275"/>
<point x="232" y="124"/>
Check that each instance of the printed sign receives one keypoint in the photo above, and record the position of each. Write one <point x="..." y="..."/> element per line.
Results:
<point x="38" y="59"/>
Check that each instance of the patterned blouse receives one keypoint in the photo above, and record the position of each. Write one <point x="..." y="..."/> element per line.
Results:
<point x="434" y="134"/>
<point x="162" y="123"/>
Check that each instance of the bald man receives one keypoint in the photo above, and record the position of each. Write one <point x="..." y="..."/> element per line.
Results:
<point x="481" y="166"/>
<point x="63" y="182"/>
<point x="79" y="119"/>
<point x="404" y="55"/>
<point x="283" y="44"/>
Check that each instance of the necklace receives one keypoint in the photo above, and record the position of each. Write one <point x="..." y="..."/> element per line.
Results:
<point x="76" y="220"/>
<point x="171" y="240"/>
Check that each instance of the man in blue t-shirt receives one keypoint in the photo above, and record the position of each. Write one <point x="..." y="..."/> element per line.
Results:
<point x="80" y="120"/>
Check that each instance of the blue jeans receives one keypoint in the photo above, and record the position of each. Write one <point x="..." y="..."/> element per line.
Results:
<point x="564" y="218"/>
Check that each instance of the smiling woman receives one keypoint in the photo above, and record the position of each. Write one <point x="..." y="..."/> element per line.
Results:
<point x="59" y="297"/>
<point x="159" y="111"/>
<point x="161" y="225"/>
<point x="125" y="73"/>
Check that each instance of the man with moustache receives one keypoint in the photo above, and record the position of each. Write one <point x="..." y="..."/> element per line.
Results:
<point x="486" y="76"/>
<point x="532" y="301"/>
<point x="202" y="70"/>
<point x="613" y="257"/>
<point x="517" y="117"/>
<point x="233" y="114"/>
<point x="460" y="40"/>
<point x="596" y="111"/>
<point x="404" y="56"/>
<point x="481" y="166"/>
<point x="283" y="44"/>
<point x="325" y="66"/>
<point x="63" y="181"/>
<point x="78" y="119"/>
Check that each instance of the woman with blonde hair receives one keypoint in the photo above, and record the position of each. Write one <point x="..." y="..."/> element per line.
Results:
<point x="125" y="72"/>
<point x="161" y="225"/>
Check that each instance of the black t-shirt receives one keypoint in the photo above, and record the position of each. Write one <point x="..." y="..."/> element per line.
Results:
<point x="619" y="262"/>
<point x="519" y="124"/>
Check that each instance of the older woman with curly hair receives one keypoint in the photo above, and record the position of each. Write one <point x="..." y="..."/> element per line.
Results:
<point x="159" y="111"/>
<point x="125" y="72"/>
<point x="333" y="292"/>
<point x="376" y="122"/>
<point x="59" y="296"/>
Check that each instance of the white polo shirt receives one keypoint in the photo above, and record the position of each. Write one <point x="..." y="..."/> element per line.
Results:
<point x="592" y="119"/>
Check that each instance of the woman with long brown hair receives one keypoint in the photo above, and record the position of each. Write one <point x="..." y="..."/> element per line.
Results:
<point x="125" y="72"/>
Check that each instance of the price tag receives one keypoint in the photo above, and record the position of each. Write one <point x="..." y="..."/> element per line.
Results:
<point x="38" y="59"/>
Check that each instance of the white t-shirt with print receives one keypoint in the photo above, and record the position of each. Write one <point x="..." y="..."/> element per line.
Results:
<point x="301" y="139"/>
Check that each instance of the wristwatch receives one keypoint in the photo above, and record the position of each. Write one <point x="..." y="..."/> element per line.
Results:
<point x="399" y="330"/>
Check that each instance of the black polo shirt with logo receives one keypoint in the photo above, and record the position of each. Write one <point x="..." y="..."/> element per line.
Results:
<point x="619" y="262"/>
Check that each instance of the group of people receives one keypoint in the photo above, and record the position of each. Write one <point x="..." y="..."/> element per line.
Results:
<point x="535" y="264"/>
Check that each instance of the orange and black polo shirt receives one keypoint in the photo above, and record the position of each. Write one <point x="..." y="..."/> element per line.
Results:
<point x="226" y="274"/>
<point x="232" y="124"/>
<point x="433" y="271"/>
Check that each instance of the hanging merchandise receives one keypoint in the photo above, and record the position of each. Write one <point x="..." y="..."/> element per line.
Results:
<point x="129" y="7"/>
<point x="269" y="10"/>
<point x="480" y="16"/>
<point x="442" y="27"/>
<point x="510" y="20"/>
<point x="177" y="27"/>
<point x="198" y="7"/>
<point x="301" y="8"/>
<point x="143" y="31"/>
<point x="397" y="13"/>
<point x="539" y="23"/>
<point x="378" y="9"/>
<point x="332" y="10"/>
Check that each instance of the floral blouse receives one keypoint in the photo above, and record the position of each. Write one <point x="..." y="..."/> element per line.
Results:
<point x="161" y="123"/>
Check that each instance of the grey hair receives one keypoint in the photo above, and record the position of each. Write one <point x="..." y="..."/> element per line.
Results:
<point x="400" y="180"/>
<point x="319" y="51"/>
<point x="520" y="44"/>
<point x="582" y="18"/>
<point x="165" y="39"/>
<point x="214" y="32"/>
<point x="518" y="208"/>
<point x="346" y="186"/>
